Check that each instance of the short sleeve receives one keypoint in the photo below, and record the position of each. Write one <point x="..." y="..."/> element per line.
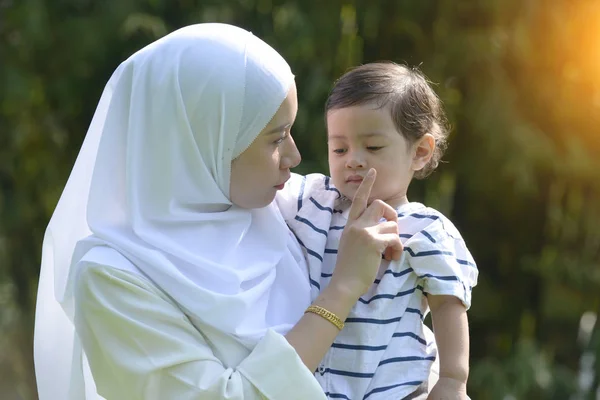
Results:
<point x="140" y="345"/>
<point x="439" y="256"/>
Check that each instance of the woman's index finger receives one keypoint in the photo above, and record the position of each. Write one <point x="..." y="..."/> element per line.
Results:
<point x="361" y="197"/>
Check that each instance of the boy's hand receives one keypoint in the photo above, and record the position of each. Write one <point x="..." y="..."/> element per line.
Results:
<point x="448" y="389"/>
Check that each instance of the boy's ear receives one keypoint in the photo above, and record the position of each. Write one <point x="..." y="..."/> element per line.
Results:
<point x="423" y="151"/>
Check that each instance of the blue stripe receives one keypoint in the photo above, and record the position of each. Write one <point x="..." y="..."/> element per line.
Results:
<point x="331" y="251"/>
<point x="390" y="296"/>
<point x="325" y="275"/>
<point x="314" y="283"/>
<point x="373" y="320"/>
<point x="419" y="216"/>
<point x="323" y="208"/>
<point x="465" y="262"/>
<point x="314" y="254"/>
<point x="307" y="222"/>
<point x="437" y="253"/>
<point x="398" y="274"/>
<point x="441" y="278"/>
<point x="405" y="359"/>
<point x="358" y="347"/>
<point x="337" y="396"/>
<point x="309" y="251"/>
<point x="428" y="236"/>
<point x="327" y="187"/>
<point x="415" y="311"/>
<point x="427" y="253"/>
<point x="385" y="388"/>
<point x="348" y="373"/>
<point x="411" y="335"/>
<point x="405" y="235"/>
<point x="394" y="274"/>
<point x="337" y="228"/>
<point x="301" y="192"/>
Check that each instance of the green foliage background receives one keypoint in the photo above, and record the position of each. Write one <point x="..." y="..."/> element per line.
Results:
<point x="520" y="80"/>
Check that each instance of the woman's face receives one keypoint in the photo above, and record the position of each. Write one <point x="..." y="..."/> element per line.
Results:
<point x="264" y="167"/>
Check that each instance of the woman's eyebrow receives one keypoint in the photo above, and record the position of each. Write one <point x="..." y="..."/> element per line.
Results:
<point x="278" y="129"/>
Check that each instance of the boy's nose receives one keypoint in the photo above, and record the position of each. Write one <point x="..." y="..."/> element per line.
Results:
<point x="355" y="161"/>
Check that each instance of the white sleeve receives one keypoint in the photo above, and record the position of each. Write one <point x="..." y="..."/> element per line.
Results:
<point x="141" y="346"/>
<point x="439" y="256"/>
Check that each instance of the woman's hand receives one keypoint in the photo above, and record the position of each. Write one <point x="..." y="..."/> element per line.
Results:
<point x="364" y="240"/>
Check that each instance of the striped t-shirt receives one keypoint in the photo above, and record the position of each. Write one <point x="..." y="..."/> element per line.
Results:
<point x="385" y="350"/>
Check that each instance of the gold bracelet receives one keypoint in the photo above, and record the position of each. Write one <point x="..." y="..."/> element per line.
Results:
<point x="328" y="315"/>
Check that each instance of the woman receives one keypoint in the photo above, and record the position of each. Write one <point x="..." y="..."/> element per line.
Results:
<point x="167" y="272"/>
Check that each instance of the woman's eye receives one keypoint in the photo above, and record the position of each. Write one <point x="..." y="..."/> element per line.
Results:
<point x="281" y="139"/>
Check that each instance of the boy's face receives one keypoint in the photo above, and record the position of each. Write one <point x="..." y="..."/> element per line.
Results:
<point x="364" y="137"/>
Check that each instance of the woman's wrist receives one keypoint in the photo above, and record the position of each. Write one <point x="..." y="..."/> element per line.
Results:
<point x="337" y="299"/>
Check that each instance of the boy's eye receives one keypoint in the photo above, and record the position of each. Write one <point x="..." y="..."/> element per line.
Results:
<point x="374" y="148"/>
<point x="339" y="151"/>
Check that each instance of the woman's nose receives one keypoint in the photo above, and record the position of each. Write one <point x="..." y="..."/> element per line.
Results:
<point x="291" y="156"/>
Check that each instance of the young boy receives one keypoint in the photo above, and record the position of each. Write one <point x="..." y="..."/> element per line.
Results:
<point x="386" y="116"/>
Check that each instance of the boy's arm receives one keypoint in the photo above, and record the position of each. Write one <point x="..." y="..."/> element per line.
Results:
<point x="451" y="329"/>
<point x="439" y="256"/>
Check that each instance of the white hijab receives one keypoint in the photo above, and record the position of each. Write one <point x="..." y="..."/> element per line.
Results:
<point x="152" y="182"/>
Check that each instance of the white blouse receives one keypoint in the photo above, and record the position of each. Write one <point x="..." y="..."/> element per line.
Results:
<point x="141" y="345"/>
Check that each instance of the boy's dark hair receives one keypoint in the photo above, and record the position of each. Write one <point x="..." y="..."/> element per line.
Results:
<point x="415" y="107"/>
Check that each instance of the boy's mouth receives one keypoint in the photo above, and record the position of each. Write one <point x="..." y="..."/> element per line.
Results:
<point x="354" y="179"/>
